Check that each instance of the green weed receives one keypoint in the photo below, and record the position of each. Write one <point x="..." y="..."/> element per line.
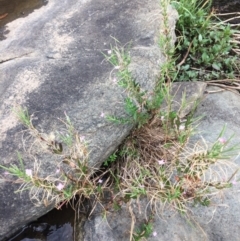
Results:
<point x="144" y="231"/>
<point x="112" y="158"/>
<point x="73" y="176"/>
<point x="205" y="43"/>
<point x="23" y="116"/>
<point x="138" y="107"/>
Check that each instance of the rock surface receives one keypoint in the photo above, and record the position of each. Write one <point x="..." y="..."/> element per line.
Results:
<point x="219" y="221"/>
<point x="52" y="62"/>
<point x="184" y="97"/>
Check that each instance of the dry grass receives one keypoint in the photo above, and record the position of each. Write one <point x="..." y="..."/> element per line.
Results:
<point x="155" y="165"/>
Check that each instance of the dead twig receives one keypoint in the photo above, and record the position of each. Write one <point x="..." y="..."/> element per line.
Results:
<point x="186" y="55"/>
<point x="224" y="80"/>
<point x="226" y="87"/>
<point x="226" y="14"/>
<point x="3" y="16"/>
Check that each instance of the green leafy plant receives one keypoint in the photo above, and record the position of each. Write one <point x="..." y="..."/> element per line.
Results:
<point x="205" y="43"/>
<point x="23" y="116"/>
<point x="112" y="158"/>
<point x="144" y="231"/>
<point x="135" y="103"/>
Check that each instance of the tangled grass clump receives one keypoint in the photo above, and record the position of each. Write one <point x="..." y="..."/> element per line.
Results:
<point x="153" y="163"/>
<point x="73" y="177"/>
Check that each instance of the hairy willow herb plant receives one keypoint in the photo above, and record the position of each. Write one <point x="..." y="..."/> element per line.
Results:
<point x="138" y="106"/>
<point x="205" y="44"/>
<point x="72" y="177"/>
<point x="136" y="103"/>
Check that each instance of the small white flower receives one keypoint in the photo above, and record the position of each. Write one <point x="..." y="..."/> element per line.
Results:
<point x="117" y="67"/>
<point x="6" y="173"/>
<point x="114" y="80"/>
<point x="58" y="170"/>
<point x="82" y="138"/>
<point x="109" y="52"/>
<point x="222" y="140"/>
<point x="102" y="115"/>
<point x="161" y="162"/>
<point x="100" y="181"/>
<point x="28" y="172"/>
<point x="60" y="186"/>
<point x="154" y="233"/>
<point x="182" y="127"/>
<point x="162" y="118"/>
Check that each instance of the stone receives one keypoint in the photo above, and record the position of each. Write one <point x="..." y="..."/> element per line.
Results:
<point x="116" y="225"/>
<point x="219" y="221"/>
<point x="184" y="97"/>
<point x="52" y="62"/>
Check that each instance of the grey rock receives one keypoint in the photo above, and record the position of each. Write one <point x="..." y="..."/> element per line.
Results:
<point x="116" y="225"/>
<point x="51" y="62"/>
<point x="184" y="97"/>
<point x="219" y="221"/>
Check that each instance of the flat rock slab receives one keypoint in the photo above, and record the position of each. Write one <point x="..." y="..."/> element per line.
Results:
<point x="184" y="97"/>
<point x="52" y="62"/>
<point x="219" y="221"/>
